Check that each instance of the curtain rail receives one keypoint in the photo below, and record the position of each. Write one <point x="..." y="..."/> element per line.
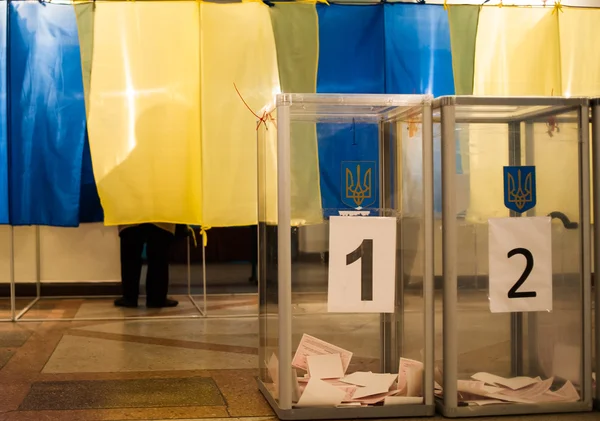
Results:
<point x="586" y="4"/>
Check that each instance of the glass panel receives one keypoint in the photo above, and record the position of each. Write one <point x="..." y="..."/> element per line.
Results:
<point x="267" y="258"/>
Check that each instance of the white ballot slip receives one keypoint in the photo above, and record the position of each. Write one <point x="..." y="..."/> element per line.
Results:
<point x="520" y="264"/>
<point x="567" y="393"/>
<point x="358" y="378"/>
<point x="402" y="400"/>
<point x="512" y="383"/>
<point x="485" y="402"/>
<point x="528" y="393"/>
<point x="320" y="393"/>
<point x="348" y="388"/>
<point x="375" y="399"/>
<point x="377" y="384"/>
<point x="362" y="264"/>
<point x="473" y="387"/>
<point x="409" y="370"/>
<point x="310" y="345"/>
<point x="363" y="378"/>
<point x="414" y="381"/>
<point x="327" y="366"/>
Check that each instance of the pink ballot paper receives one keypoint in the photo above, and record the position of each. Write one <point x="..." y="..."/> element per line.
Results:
<point x="310" y="346"/>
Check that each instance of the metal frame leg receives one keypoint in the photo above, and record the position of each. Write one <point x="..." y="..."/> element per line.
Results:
<point x="202" y="311"/>
<point x="38" y="272"/>
<point x="449" y="260"/>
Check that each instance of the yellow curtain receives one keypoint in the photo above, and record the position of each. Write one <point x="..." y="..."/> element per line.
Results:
<point x="238" y="48"/>
<point x="517" y="53"/>
<point x="144" y="117"/>
<point x="580" y="55"/>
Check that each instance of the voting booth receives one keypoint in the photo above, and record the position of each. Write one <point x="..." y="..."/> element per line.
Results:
<point x="515" y="215"/>
<point x="347" y="333"/>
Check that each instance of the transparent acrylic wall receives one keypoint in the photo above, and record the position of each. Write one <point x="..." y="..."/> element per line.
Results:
<point x="595" y="147"/>
<point x="293" y="277"/>
<point x="553" y="347"/>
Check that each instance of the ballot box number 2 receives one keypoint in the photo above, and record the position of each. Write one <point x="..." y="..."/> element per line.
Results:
<point x="362" y="264"/>
<point x="514" y="291"/>
<point x="520" y="262"/>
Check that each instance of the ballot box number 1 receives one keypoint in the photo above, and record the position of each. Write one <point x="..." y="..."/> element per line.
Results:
<point x="362" y="264"/>
<point x="364" y="253"/>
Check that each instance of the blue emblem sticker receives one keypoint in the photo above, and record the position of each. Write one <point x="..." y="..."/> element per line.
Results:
<point x="357" y="183"/>
<point x="519" y="188"/>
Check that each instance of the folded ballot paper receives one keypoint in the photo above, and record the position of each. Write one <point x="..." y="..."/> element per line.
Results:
<point x="489" y="389"/>
<point x="326" y="382"/>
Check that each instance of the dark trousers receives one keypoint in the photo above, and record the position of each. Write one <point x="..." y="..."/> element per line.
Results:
<point x="158" y="243"/>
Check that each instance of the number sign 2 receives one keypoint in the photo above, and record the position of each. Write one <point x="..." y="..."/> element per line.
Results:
<point x="362" y="264"/>
<point x="520" y="259"/>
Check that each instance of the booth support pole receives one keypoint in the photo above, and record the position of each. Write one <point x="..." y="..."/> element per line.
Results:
<point x="13" y="290"/>
<point x="584" y="154"/>
<point x="284" y="258"/>
<point x="429" y="357"/>
<point x="449" y="244"/>
<point x="204" y="306"/>
<point x="38" y="263"/>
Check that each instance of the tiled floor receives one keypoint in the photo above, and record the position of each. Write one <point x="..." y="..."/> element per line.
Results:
<point x="189" y="369"/>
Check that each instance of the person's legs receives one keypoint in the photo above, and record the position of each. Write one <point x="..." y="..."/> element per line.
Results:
<point x="132" y="245"/>
<point x="157" y="279"/>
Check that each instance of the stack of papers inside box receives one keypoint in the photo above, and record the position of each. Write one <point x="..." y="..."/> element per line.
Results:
<point x="327" y="383"/>
<point x="489" y="389"/>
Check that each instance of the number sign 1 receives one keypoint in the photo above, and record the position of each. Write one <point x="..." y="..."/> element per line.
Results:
<point x="362" y="264"/>
<point x="520" y="258"/>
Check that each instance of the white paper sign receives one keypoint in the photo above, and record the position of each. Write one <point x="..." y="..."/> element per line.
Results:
<point x="520" y="258"/>
<point x="362" y="264"/>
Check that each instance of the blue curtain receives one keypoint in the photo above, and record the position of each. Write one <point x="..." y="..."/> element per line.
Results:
<point x="3" y="117"/>
<point x="417" y="49"/>
<point x="419" y="61"/>
<point x="47" y="114"/>
<point x="351" y="60"/>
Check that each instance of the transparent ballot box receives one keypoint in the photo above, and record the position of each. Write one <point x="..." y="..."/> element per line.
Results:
<point x="512" y="225"/>
<point x="346" y="256"/>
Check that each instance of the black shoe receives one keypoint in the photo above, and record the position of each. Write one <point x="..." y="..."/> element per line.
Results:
<point x="122" y="302"/>
<point x="167" y="303"/>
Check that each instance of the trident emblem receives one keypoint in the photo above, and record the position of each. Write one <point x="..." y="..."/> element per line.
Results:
<point x="358" y="183"/>
<point x="519" y="188"/>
